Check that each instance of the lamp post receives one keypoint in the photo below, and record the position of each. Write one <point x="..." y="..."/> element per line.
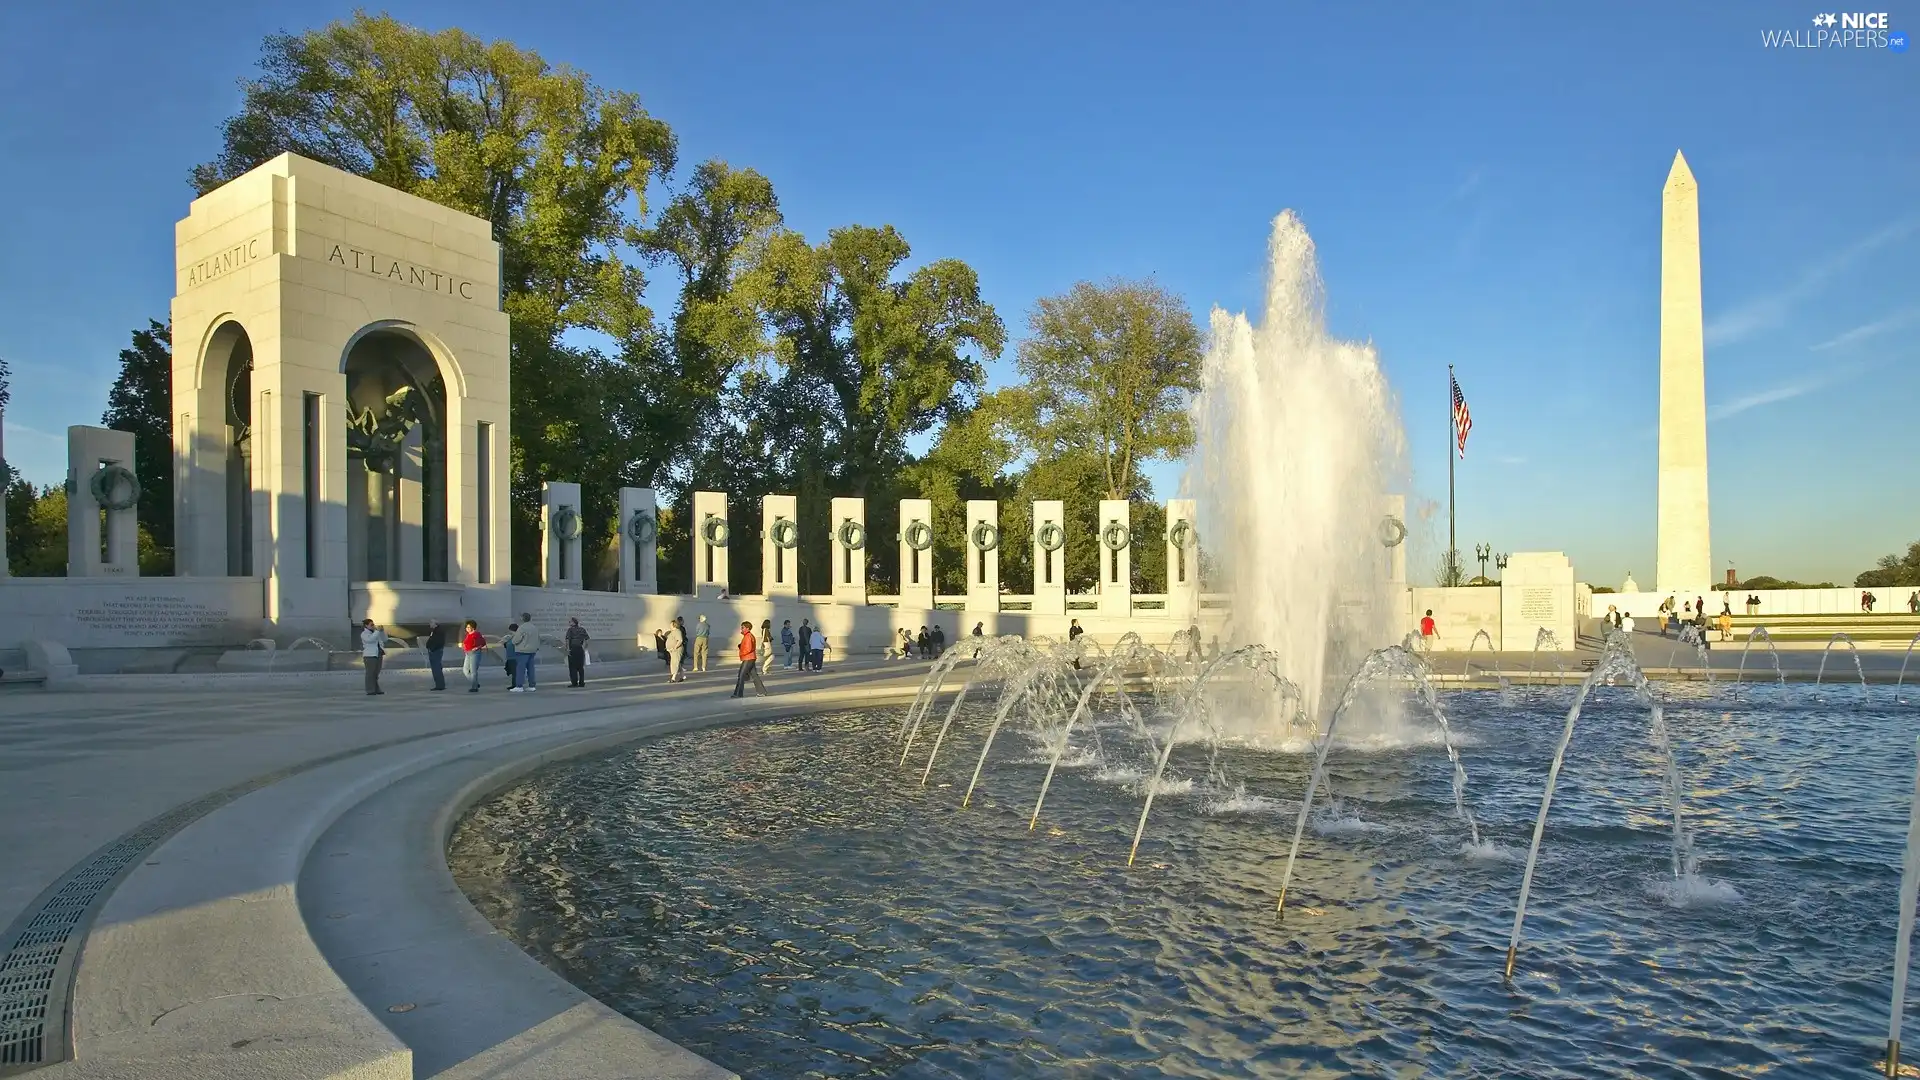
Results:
<point x="1500" y="563"/>
<point x="1483" y="552"/>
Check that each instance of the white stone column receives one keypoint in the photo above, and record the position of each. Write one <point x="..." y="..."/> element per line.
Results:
<point x="410" y="561"/>
<point x="93" y="451"/>
<point x="779" y="545"/>
<point x="3" y="496"/>
<point x="710" y="539"/>
<point x="849" y="561"/>
<point x="916" y="562"/>
<point x="983" y="555"/>
<point x="639" y="541"/>
<point x="1183" y="559"/>
<point x="560" y="553"/>
<point x="1115" y="540"/>
<point x="1050" y="557"/>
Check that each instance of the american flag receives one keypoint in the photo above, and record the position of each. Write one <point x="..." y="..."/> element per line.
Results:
<point x="1462" y="419"/>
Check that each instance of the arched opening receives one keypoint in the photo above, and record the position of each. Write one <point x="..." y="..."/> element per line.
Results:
<point x="228" y="371"/>
<point x="396" y="460"/>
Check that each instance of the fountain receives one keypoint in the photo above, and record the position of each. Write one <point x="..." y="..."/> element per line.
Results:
<point x="1616" y="661"/>
<point x="1466" y="664"/>
<point x="1858" y="669"/>
<point x="1298" y="437"/>
<point x="1545" y="638"/>
<point x="1903" y="942"/>
<point x="1761" y="633"/>
<point x="1902" y="681"/>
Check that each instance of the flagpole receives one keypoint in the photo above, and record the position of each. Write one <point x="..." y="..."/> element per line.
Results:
<point x="1452" y="547"/>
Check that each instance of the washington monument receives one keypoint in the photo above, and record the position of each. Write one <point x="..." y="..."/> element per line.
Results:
<point x="1684" y="560"/>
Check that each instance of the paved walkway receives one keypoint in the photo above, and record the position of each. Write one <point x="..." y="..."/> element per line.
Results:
<point x="78" y="770"/>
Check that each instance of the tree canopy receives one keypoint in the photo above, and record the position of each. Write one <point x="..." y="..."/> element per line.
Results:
<point x="1892" y="570"/>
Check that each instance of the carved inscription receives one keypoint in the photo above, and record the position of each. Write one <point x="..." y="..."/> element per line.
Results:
<point x="405" y="273"/>
<point x="168" y="617"/>
<point x="1537" y="606"/>
<point x="219" y="265"/>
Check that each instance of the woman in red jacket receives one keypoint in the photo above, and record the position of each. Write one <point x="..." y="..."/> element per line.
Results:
<point x="470" y="645"/>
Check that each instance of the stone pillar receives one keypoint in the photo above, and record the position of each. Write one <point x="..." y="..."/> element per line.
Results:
<point x="710" y="529"/>
<point x="849" y="548"/>
<point x="1536" y="593"/>
<point x="1683" y="557"/>
<point x="779" y="545"/>
<point x="409" y="563"/>
<point x="1115" y="542"/>
<point x="639" y="541"/>
<point x="1183" y="559"/>
<point x="916" y="554"/>
<point x="3" y="495"/>
<point x="983" y="555"/>
<point x="1393" y="534"/>
<point x="561" y="528"/>
<point x="98" y="456"/>
<point x="1050" y="557"/>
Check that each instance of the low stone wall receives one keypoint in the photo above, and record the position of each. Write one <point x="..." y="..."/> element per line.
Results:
<point x="130" y="613"/>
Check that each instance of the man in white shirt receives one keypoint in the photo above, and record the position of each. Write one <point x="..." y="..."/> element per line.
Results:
<point x="819" y="648"/>
<point x="373" y="650"/>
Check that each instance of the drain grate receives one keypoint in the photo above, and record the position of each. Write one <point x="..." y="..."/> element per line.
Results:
<point x="39" y="951"/>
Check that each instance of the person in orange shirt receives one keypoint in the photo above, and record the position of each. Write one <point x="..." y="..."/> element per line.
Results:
<point x="749" y="663"/>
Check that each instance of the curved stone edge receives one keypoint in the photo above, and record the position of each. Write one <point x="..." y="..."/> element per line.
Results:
<point x="201" y="964"/>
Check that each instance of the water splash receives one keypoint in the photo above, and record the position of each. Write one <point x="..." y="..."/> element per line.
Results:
<point x="1858" y="669"/>
<point x="1616" y="662"/>
<point x="1466" y="665"/>
<point x="1298" y="439"/>
<point x="1903" y="944"/>
<point x="1761" y="633"/>
<point x="1902" y="681"/>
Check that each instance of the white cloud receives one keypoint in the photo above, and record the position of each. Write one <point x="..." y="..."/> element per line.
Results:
<point x="1758" y="398"/>
<point x="1772" y="309"/>
<point x="1870" y="330"/>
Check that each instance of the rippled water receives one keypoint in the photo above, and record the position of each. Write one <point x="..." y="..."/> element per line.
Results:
<point x="784" y="899"/>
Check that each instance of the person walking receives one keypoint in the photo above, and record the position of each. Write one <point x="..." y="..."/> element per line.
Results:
<point x="686" y="644"/>
<point x="805" y="643"/>
<point x="529" y="649"/>
<point x="676" y="650"/>
<point x="765" y="642"/>
<point x="1626" y="622"/>
<point x="470" y="645"/>
<point x="749" y="663"/>
<point x="576" y="639"/>
<point x="436" y="645"/>
<point x="1073" y="637"/>
<point x="510" y="645"/>
<point x="819" y="651"/>
<point x="373" y="651"/>
<point x="786" y="643"/>
<point x="1913" y="602"/>
<point x="701" y="636"/>
<point x="1427" y="631"/>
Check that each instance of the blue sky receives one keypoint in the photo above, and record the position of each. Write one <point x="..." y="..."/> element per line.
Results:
<point x="1482" y="180"/>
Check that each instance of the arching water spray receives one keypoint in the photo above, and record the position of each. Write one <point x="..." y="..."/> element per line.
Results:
<point x="1617" y="660"/>
<point x="1903" y="944"/>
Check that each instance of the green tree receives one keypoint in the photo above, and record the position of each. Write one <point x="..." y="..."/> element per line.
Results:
<point x="559" y="165"/>
<point x="1892" y="570"/>
<point x="141" y="401"/>
<point x="36" y="530"/>
<point x="1108" y="370"/>
<point x="865" y="358"/>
